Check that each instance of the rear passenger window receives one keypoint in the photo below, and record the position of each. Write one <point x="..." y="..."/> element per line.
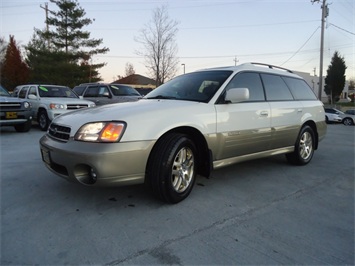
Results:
<point x="251" y="81"/>
<point x="300" y="89"/>
<point x="276" y="88"/>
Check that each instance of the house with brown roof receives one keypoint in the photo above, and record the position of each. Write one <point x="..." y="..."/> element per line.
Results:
<point x="141" y="83"/>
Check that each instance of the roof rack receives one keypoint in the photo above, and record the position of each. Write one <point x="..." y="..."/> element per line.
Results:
<point x="272" y="66"/>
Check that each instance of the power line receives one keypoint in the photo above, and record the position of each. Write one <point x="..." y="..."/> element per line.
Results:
<point x="341" y="28"/>
<point x="300" y="47"/>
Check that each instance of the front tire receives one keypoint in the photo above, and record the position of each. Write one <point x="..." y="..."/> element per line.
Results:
<point x="43" y="120"/>
<point x="171" y="170"/>
<point x="348" y="121"/>
<point x="25" y="127"/>
<point x="304" y="147"/>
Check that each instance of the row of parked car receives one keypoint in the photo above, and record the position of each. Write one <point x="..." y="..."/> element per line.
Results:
<point x="42" y="103"/>
<point x="333" y="115"/>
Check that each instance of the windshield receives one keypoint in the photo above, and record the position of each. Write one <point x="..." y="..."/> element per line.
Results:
<point x="196" y="86"/>
<point x="4" y="92"/>
<point x="56" y="91"/>
<point x="121" y="90"/>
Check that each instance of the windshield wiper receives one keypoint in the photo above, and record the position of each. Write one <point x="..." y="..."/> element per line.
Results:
<point x="162" y="97"/>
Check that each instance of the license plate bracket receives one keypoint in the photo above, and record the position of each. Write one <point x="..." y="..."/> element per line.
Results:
<point x="11" y="115"/>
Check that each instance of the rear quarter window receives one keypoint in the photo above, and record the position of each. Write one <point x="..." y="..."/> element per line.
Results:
<point x="300" y="89"/>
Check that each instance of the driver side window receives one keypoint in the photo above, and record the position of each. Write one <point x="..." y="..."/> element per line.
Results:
<point x="251" y="81"/>
<point x="33" y="91"/>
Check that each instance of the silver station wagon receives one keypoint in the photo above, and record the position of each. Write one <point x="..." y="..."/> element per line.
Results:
<point x="189" y="126"/>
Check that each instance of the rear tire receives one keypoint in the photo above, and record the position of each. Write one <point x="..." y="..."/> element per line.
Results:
<point x="304" y="147"/>
<point x="171" y="170"/>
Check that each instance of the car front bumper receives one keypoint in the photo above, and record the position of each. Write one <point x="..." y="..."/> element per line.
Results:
<point x="97" y="164"/>
<point x="16" y="118"/>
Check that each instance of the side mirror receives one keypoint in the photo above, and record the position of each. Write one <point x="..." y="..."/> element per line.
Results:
<point x="81" y="97"/>
<point x="236" y="95"/>
<point x="32" y="97"/>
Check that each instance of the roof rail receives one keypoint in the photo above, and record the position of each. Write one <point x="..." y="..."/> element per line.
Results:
<point x="272" y="66"/>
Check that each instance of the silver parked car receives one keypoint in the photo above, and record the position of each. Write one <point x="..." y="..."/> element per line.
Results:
<point x="50" y="101"/>
<point x="348" y="117"/>
<point x="191" y="125"/>
<point x="103" y="93"/>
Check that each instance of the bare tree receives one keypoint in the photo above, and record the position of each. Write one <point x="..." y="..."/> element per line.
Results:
<point x="3" y="47"/>
<point x="158" y="39"/>
<point x="129" y="70"/>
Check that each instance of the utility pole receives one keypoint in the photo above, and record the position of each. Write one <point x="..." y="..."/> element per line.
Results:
<point x="47" y="26"/>
<point x="235" y="60"/>
<point x="325" y="12"/>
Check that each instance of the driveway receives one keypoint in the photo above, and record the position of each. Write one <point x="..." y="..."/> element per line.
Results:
<point x="258" y="212"/>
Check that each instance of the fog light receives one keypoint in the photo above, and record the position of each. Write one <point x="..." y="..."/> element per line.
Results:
<point x="93" y="175"/>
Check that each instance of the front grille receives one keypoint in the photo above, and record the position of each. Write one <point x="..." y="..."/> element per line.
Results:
<point x="76" y="106"/>
<point x="58" y="132"/>
<point x="4" y="106"/>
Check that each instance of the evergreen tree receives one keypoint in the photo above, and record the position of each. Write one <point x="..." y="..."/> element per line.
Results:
<point x="67" y="48"/>
<point x="335" y="79"/>
<point x="14" y="70"/>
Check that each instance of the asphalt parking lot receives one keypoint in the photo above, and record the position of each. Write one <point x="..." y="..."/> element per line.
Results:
<point x="258" y="212"/>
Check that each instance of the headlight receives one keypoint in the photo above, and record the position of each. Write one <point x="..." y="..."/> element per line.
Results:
<point x="56" y="106"/>
<point x="92" y="105"/>
<point x="101" y="132"/>
<point x="26" y="105"/>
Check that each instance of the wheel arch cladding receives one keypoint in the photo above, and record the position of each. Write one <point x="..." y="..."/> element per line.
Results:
<point x="204" y="164"/>
<point x="313" y="126"/>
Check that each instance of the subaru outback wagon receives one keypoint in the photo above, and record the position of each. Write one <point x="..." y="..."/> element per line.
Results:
<point x="189" y="126"/>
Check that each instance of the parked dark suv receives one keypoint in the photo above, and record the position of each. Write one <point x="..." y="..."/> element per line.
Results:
<point x="15" y="112"/>
<point x="102" y="93"/>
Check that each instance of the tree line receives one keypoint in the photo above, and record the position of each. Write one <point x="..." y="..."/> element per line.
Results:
<point x="62" y="52"/>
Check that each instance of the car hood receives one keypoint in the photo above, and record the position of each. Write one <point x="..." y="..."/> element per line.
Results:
<point x="10" y="99"/>
<point x="65" y="100"/>
<point x="145" y="117"/>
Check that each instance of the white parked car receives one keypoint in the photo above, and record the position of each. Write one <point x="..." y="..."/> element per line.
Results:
<point x="191" y="125"/>
<point x="333" y="115"/>
<point x="50" y="101"/>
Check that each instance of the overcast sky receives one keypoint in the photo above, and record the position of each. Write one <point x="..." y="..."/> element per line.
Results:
<point x="211" y="32"/>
